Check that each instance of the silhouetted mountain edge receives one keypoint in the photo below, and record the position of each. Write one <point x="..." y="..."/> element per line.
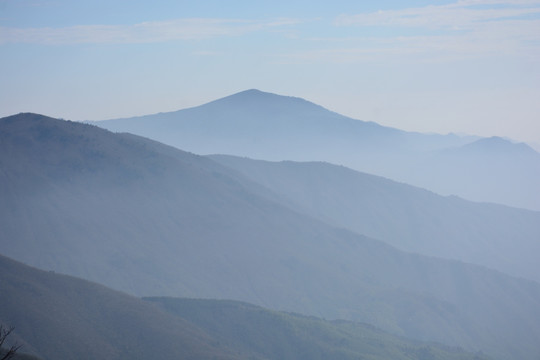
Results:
<point x="77" y="319"/>
<point x="272" y="127"/>
<point x="152" y="220"/>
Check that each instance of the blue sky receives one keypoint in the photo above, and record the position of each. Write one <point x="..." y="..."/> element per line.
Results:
<point x="466" y="66"/>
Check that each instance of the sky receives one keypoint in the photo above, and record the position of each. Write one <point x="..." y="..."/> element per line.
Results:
<point x="462" y="66"/>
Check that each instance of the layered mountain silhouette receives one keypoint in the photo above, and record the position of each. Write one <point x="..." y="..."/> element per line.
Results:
<point x="406" y="217"/>
<point x="62" y="317"/>
<point x="266" y="126"/>
<point x="493" y="163"/>
<point x="278" y="335"/>
<point x="152" y="220"/>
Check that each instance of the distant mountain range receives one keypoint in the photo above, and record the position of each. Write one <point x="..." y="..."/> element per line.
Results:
<point x="61" y="317"/>
<point x="409" y="218"/>
<point x="152" y="220"/>
<point x="266" y="126"/>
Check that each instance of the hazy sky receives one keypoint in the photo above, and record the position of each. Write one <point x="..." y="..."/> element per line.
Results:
<point x="434" y="66"/>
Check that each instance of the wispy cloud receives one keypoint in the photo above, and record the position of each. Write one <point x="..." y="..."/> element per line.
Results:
<point x="464" y="14"/>
<point x="460" y="29"/>
<point x="146" y="32"/>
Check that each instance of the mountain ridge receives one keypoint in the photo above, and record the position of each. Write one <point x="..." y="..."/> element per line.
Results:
<point x="59" y="316"/>
<point x="501" y="146"/>
<point x="62" y="317"/>
<point x="149" y="219"/>
<point x="274" y="127"/>
<point x="409" y="218"/>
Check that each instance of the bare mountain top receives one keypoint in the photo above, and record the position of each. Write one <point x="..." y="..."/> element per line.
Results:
<point x="500" y="146"/>
<point x="267" y="126"/>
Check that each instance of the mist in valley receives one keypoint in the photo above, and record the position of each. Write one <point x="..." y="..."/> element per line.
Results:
<point x="294" y="181"/>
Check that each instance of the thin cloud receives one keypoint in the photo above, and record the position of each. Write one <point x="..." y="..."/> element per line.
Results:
<point x="446" y="32"/>
<point x="465" y="14"/>
<point x="496" y="2"/>
<point x="341" y="55"/>
<point x="146" y="32"/>
<point x="423" y="49"/>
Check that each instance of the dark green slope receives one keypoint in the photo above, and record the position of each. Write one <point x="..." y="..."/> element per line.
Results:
<point x="271" y="335"/>
<point x="61" y="317"/>
<point x="409" y="218"/>
<point x="151" y="220"/>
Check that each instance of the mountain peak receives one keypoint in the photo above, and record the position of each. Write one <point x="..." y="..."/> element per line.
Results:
<point x="26" y="116"/>
<point x="252" y="92"/>
<point x="258" y="100"/>
<point x="499" y="145"/>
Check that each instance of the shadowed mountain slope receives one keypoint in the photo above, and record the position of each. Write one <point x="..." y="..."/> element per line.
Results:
<point x="152" y="220"/>
<point x="281" y="336"/>
<point x="271" y="127"/>
<point x="61" y="317"/>
<point x="409" y="218"/>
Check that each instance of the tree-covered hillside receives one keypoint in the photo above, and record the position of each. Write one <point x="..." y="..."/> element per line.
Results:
<point x="273" y="335"/>
<point x="152" y="220"/>
<point x="61" y="317"/>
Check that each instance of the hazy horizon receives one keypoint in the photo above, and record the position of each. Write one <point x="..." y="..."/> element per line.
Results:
<point x="270" y="180"/>
<point x="467" y="66"/>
